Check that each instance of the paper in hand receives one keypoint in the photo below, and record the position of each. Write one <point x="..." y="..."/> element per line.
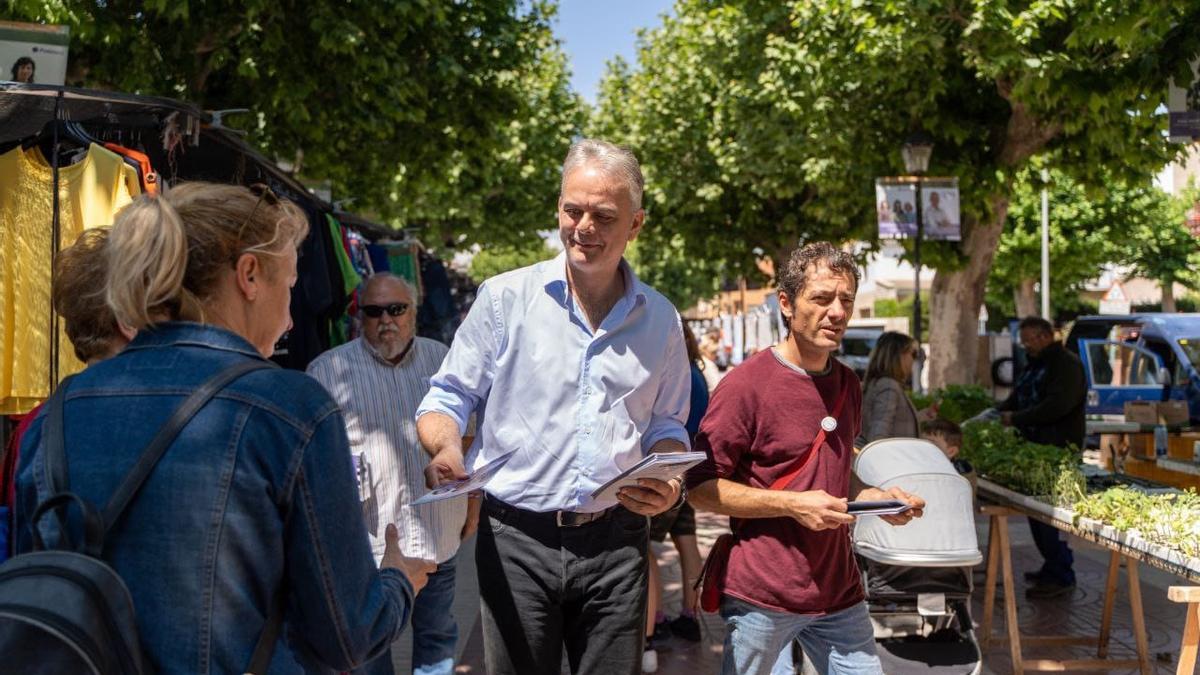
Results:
<point x="660" y="465"/>
<point x="471" y="483"/>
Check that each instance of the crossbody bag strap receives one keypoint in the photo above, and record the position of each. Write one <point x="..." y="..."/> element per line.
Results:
<point x="783" y="482"/>
<point x="162" y="440"/>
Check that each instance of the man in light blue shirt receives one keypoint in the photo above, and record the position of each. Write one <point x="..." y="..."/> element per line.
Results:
<point x="578" y="370"/>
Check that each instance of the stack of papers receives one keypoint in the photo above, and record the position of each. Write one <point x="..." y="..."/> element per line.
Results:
<point x="661" y="465"/>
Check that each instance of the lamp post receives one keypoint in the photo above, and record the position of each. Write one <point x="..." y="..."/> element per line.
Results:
<point x="917" y="150"/>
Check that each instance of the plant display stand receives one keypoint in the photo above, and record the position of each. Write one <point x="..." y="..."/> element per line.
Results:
<point x="1000" y="564"/>
<point x="1191" y="632"/>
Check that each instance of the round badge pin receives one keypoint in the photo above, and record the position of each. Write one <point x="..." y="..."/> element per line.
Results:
<point x="829" y="424"/>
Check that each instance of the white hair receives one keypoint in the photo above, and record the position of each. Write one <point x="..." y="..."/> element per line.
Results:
<point x="615" y="160"/>
<point x="378" y="277"/>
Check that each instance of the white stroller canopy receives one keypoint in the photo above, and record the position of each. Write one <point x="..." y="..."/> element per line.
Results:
<point x="945" y="536"/>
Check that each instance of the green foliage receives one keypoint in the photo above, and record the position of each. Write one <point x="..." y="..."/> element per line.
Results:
<point x="664" y="264"/>
<point x="764" y="123"/>
<point x="494" y="260"/>
<point x="885" y="307"/>
<point x="1045" y="471"/>
<point x="1172" y="520"/>
<point x="448" y="115"/>
<point x="1160" y="246"/>
<point x="1089" y="229"/>
<point x="954" y="403"/>
<point x="958" y="402"/>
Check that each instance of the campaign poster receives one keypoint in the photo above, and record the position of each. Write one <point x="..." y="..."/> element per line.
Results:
<point x="1183" y="107"/>
<point x="895" y="209"/>
<point x="33" y="53"/>
<point x="939" y="209"/>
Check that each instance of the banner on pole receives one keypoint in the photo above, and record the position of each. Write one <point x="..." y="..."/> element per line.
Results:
<point x="1183" y="107"/>
<point x="896" y="212"/>
<point x="33" y="52"/>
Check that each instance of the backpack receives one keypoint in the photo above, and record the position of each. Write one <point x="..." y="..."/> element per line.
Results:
<point x="65" y="610"/>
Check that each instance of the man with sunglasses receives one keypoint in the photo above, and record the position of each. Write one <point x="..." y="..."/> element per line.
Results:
<point x="378" y="380"/>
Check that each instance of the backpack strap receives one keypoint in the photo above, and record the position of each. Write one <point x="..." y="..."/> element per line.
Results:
<point x="265" y="647"/>
<point x="167" y="433"/>
<point x="54" y="462"/>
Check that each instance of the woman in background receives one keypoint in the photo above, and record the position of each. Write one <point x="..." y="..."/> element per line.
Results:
<point x="887" y="411"/>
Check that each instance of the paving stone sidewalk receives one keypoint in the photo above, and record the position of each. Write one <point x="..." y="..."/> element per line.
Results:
<point x="1077" y="614"/>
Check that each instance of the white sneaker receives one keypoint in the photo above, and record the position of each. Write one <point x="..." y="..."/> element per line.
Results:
<point x="650" y="661"/>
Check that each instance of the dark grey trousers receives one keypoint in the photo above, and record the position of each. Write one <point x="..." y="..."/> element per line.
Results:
<point x="545" y="589"/>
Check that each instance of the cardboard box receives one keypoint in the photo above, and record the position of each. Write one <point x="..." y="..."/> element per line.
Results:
<point x="1141" y="445"/>
<point x="1172" y="412"/>
<point x="1141" y="412"/>
<point x="1182" y="446"/>
<point x="1156" y="412"/>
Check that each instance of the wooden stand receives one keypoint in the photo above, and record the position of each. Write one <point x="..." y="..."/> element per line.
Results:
<point x="1000" y="555"/>
<point x="1191" y="633"/>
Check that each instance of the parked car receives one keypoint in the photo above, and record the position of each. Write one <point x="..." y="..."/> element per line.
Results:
<point x="856" y="348"/>
<point x="1149" y="357"/>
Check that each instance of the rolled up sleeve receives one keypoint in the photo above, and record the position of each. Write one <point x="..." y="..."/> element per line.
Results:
<point x="467" y="371"/>
<point x="673" y="398"/>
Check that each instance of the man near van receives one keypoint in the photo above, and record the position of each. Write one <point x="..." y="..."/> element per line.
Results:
<point x="1047" y="406"/>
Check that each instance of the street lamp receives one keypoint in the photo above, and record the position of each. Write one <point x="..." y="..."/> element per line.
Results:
<point x="917" y="150"/>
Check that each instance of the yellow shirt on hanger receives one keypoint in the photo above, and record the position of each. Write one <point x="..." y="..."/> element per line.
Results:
<point x="91" y="192"/>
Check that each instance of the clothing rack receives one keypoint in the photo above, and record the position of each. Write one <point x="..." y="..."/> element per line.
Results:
<point x="182" y="142"/>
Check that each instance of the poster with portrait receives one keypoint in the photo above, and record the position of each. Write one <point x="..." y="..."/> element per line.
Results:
<point x="895" y="209"/>
<point x="1183" y="107"/>
<point x="939" y="209"/>
<point x="32" y="52"/>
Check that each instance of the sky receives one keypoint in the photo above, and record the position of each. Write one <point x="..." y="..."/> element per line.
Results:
<point x="594" y="31"/>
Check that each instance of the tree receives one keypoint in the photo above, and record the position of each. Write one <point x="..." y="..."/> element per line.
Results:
<point x="1089" y="230"/>
<point x="764" y="123"/>
<point x="494" y="260"/>
<point x="1160" y="247"/>
<point x="450" y="113"/>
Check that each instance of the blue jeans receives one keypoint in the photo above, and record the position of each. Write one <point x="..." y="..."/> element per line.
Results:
<point x="434" y="632"/>
<point x="841" y="643"/>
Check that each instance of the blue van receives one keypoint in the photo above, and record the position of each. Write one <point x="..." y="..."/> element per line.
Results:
<point x="1131" y="357"/>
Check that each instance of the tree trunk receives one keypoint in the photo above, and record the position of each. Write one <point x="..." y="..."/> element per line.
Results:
<point x="1026" y="299"/>
<point x="957" y="296"/>
<point x="1168" y="295"/>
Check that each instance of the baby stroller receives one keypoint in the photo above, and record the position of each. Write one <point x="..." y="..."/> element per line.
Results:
<point x="918" y="577"/>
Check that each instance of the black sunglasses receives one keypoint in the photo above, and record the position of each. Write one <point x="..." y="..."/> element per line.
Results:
<point x="264" y="193"/>
<point x="376" y="311"/>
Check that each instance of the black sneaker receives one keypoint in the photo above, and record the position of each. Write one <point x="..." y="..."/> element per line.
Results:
<point x="662" y="633"/>
<point x="1048" y="590"/>
<point x="686" y="627"/>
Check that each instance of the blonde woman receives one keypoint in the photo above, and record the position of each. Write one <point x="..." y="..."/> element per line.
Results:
<point x="887" y="412"/>
<point x="254" y="503"/>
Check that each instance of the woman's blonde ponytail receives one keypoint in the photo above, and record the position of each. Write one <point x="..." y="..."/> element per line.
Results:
<point x="147" y="260"/>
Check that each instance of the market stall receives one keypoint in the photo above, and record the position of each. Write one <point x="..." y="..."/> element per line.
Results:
<point x="71" y="158"/>
<point x="1139" y="522"/>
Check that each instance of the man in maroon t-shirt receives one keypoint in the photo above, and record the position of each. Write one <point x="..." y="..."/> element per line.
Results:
<point x="791" y="572"/>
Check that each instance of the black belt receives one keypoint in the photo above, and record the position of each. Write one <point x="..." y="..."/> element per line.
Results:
<point x="507" y="513"/>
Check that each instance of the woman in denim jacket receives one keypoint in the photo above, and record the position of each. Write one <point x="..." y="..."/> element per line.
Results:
<point x="257" y="494"/>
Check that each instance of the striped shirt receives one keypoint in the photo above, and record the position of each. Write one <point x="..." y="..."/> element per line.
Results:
<point x="379" y="401"/>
